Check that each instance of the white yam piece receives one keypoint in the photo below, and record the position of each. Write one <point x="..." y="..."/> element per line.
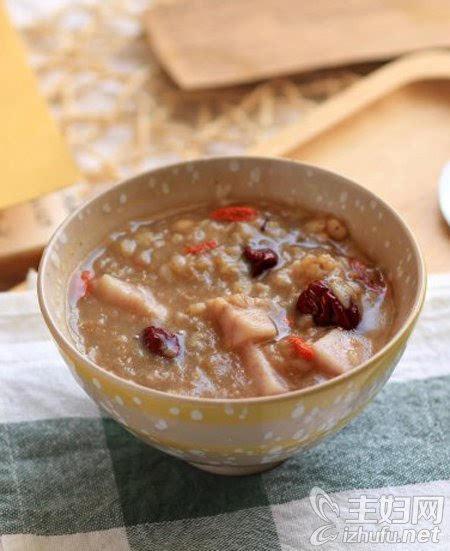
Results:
<point x="136" y="299"/>
<point x="240" y="325"/>
<point x="340" y="350"/>
<point x="260" y="370"/>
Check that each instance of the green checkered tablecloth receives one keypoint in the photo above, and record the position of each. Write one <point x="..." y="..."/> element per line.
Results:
<point x="71" y="479"/>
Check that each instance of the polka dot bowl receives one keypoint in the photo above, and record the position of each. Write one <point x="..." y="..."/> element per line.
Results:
<point x="247" y="435"/>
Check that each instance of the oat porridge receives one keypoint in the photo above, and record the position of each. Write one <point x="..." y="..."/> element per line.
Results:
<point x="230" y="301"/>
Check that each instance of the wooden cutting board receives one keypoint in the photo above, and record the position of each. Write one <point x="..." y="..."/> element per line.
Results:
<point x="391" y="133"/>
<point x="208" y="43"/>
<point x="34" y="161"/>
<point x="26" y="228"/>
<point x="34" y="158"/>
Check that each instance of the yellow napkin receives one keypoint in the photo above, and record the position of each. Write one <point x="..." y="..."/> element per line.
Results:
<point x="33" y="156"/>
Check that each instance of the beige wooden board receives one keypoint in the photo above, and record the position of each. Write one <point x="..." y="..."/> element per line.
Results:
<point x="34" y="159"/>
<point x="391" y="133"/>
<point x="26" y="228"/>
<point x="206" y="43"/>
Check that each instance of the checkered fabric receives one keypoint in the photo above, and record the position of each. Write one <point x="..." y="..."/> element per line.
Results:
<point x="71" y="479"/>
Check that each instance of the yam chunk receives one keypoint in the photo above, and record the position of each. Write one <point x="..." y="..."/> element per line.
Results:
<point x="241" y="321"/>
<point x="135" y="299"/>
<point x="340" y="350"/>
<point x="260" y="370"/>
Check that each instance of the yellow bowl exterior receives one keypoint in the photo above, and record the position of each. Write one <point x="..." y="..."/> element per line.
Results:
<point x="241" y="433"/>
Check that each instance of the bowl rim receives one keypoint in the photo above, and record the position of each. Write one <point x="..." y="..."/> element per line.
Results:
<point x="59" y="337"/>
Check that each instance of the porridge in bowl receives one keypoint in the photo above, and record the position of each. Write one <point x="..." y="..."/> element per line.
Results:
<point x="230" y="301"/>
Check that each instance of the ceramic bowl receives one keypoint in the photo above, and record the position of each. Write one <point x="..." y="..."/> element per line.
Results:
<point x="245" y="435"/>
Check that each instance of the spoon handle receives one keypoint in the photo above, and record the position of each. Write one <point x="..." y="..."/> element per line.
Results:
<point x="444" y="192"/>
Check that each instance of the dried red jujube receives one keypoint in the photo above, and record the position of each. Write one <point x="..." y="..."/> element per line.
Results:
<point x="325" y="308"/>
<point x="260" y="259"/>
<point x="161" y="342"/>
